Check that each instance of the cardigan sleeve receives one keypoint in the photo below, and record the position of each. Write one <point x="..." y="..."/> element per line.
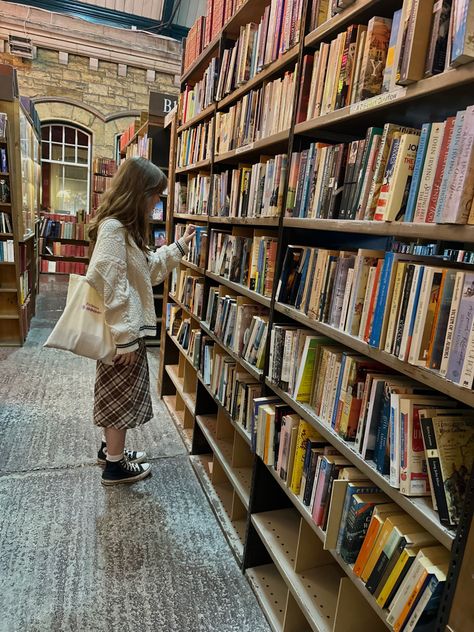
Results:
<point x="107" y="273"/>
<point x="163" y="260"/>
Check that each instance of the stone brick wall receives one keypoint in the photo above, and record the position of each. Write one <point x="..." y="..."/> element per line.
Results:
<point x="99" y="100"/>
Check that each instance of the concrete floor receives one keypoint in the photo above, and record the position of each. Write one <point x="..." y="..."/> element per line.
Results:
<point x="77" y="557"/>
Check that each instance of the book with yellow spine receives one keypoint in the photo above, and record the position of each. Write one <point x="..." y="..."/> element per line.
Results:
<point x="306" y="433"/>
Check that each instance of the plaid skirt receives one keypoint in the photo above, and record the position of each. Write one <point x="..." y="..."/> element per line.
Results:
<point x="122" y="393"/>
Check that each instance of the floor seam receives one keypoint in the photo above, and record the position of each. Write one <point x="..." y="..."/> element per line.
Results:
<point x="68" y="468"/>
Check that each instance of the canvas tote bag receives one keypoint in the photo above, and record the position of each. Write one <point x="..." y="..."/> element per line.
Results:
<point x="82" y="328"/>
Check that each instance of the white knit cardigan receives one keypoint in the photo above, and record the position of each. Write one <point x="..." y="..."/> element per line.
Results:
<point x="123" y="275"/>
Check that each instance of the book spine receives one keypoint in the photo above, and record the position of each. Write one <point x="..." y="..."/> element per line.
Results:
<point x="432" y="457"/>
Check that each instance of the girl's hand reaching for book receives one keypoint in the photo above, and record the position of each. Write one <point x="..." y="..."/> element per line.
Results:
<point x="189" y="234"/>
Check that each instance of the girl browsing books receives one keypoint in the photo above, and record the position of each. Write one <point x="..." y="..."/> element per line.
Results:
<point x="123" y="270"/>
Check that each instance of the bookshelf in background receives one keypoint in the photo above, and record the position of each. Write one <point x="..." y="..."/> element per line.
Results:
<point x="20" y="186"/>
<point x="314" y="327"/>
<point x="63" y="243"/>
<point x="103" y="170"/>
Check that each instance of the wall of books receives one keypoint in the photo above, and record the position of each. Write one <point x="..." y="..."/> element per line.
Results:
<point x="318" y="349"/>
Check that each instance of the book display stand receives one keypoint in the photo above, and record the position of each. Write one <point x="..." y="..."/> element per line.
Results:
<point x="299" y="575"/>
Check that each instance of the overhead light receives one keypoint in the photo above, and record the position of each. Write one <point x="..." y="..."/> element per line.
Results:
<point x="21" y="46"/>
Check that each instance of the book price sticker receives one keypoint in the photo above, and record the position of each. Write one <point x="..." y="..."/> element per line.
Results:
<point x="378" y="101"/>
<point x="241" y="150"/>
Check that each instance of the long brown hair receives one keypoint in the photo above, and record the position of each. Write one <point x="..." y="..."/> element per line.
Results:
<point x="128" y="199"/>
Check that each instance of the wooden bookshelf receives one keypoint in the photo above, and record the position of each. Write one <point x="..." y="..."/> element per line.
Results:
<point x="300" y="585"/>
<point x="19" y="278"/>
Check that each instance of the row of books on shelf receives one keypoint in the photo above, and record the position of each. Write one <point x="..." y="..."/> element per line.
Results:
<point x="7" y="250"/>
<point x="198" y="248"/>
<point x="194" y="145"/>
<point x="418" y="312"/>
<point x="399" y="562"/>
<point x="386" y="418"/>
<point x="250" y="190"/>
<point x="259" y="44"/>
<point x="364" y="403"/>
<point x="188" y="288"/>
<point x="206" y="27"/>
<point x="62" y="267"/>
<point x="387" y="549"/>
<point x="182" y="330"/>
<point x="394" y="174"/>
<point x="192" y="196"/>
<point x="104" y="167"/>
<point x="365" y="61"/>
<point x="57" y="249"/>
<point x="240" y="324"/>
<point x="52" y="227"/>
<point x="245" y="256"/>
<point x="262" y="112"/>
<point x="6" y="223"/>
<point x="199" y="96"/>
<point x="100" y="184"/>
<point x="141" y="148"/>
<point x="233" y="387"/>
<point x="128" y="134"/>
<point x="361" y="62"/>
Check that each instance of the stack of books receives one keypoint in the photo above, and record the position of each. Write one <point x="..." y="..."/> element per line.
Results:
<point x="7" y="251"/>
<point x="398" y="561"/>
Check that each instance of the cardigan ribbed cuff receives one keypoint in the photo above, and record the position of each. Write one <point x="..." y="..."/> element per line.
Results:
<point x="182" y="246"/>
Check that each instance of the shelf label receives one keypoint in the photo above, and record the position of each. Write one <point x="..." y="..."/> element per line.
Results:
<point x="378" y="101"/>
<point x="241" y="150"/>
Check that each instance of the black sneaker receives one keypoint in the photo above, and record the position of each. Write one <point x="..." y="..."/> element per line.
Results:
<point x="131" y="455"/>
<point x="124" y="472"/>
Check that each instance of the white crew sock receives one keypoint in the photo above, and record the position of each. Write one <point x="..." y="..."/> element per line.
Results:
<point x="114" y="459"/>
<point x="104" y="440"/>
